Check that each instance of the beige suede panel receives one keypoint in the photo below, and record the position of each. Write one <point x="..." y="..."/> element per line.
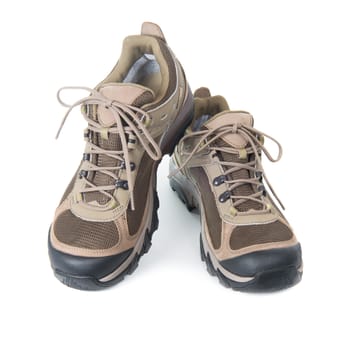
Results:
<point x="227" y="253"/>
<point x="149" y="28"/>
<point x="120" y="92"/>
<point x="228" y="118"/>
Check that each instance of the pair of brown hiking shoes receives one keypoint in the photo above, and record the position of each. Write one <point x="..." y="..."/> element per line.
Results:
<point x="143" y="110"/>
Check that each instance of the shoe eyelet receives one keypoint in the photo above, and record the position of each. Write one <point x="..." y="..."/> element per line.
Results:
<point x="224" y="196"/>
<point x="261" y="188"/>
<point x="87" y="134"/>
<point x="219" y="180"/>
<point x="83" y="173"/>
<point x="122" y="184"/>
<point x="132" y="165"/>
<point x="86" y="156"/>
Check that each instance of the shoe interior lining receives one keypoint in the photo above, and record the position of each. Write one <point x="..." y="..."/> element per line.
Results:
<point x="145" y="71"/>
<point x="200" y="121"/>
<point x="142" y="62"/>
<point x="206" y="108"/>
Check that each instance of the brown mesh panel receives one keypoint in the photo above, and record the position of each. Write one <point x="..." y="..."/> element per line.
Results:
<point x="211" y="211"/>
<point x="140" y="194"/>
<point x="245" y="236"/>
<point x="75" y="232"/>
<point x="242" y="190"/>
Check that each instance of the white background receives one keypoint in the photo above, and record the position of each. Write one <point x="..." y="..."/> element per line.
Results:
<point x="287" y="62"/>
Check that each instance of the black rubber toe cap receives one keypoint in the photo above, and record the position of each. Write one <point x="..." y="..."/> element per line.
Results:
<point x="85" y="267"/>
<point x="265" y="260"/>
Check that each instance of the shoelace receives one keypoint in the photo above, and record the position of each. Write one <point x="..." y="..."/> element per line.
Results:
<point x="254" y="138"/>
<point x="132" y="117"/>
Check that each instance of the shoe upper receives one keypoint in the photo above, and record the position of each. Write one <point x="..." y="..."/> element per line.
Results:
<point x="132" y="118"/>
<point x="221" y="155"/>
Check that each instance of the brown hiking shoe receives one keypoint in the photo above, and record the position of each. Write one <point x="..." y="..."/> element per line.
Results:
<point x="216" y="167"/>
<point x="108" y="213"/>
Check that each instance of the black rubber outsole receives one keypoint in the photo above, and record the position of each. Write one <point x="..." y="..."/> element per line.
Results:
<point x="264" y="281"/>
<point x="91" y="283"/>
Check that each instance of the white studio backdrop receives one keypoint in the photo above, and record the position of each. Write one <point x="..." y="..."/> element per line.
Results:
<point x="286" y="62"/>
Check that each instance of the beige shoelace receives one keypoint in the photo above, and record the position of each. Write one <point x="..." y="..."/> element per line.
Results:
<point x="129" y="120"/>
<point x="254" y="138"/>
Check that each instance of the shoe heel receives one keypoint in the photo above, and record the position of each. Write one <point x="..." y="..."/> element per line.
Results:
<point x="179" y="126"/>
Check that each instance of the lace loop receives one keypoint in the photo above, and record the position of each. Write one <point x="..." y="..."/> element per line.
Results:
<point x="128" y="121"/>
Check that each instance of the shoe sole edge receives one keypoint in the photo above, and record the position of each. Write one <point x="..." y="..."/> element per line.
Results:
<point x="90" y="283"/>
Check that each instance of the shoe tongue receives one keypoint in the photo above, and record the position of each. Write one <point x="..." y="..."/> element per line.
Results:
<point x="238" y="142"/>
<point x="229" y="118"/>
<point x="126" y="93"/>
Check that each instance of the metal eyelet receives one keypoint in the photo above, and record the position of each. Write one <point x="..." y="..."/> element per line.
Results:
<point x="132" y="165"/>
<point x="224" y="196"/>
<point x="87" y="134"/>
<point x="83" y="173"/>
<point x="86" y="156"/>
<point x="122" y="184"/>
<point x="219" y="180"/>
<point x="261" y="188"/>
